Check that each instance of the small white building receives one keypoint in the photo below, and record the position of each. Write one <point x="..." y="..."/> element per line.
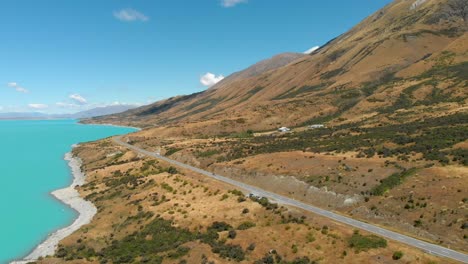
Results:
<point x="315" y="126"/>
<point x="284" y="129"/>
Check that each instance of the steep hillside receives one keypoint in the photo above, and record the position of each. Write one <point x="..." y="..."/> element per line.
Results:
<point x="392" y="93"/>
<point x="146" y="114"/>
<point x="408" y="57"/>
<point x="275" y="62"/>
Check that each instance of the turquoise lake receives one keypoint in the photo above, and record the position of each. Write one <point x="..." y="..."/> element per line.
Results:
<point x="31" y="167"/>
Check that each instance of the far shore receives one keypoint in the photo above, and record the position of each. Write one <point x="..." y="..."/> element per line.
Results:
<point x="112" y="125"/>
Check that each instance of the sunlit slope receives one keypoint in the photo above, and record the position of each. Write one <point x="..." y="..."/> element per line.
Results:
<point x="406" y="57"/>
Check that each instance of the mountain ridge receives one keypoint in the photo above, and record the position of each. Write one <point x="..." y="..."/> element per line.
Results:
<point x="94" y="112"/>
<point x="389" y="99"/>
<point x="344" y="78"/>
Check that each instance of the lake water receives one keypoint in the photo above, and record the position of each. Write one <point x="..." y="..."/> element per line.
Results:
<point x="31" y="166"/>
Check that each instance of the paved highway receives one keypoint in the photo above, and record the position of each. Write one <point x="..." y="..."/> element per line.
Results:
<point x="428" y="247"/>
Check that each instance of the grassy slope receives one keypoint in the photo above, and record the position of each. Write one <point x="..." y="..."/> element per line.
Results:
<point x="389" y="171"/>
<point x="393" y="94"/>
<point x="362" y="74"/>
<point x="150" y="213"/>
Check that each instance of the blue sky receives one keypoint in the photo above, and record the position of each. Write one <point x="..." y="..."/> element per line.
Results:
<point x="64" y="56"/>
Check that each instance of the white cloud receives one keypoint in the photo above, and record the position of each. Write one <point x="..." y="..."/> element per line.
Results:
<point x="17" y="87"/>
<point x="130" y="15"/>
<point x="21" y="90"/>
<point x="210" y="79"/>
<point x="78" y="99"/>
<point x="38" y="106"/>
<point x="309" y="51"/>
<point x="66" y="105"/>
<point x="232" y="3"/>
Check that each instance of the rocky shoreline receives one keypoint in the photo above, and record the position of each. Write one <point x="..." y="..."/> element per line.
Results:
<point x="71" y="197"/>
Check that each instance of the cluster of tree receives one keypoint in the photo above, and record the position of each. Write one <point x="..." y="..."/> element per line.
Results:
<point x="229" y="251"/>
<point x="433" y="138"/>
<point x="273" y="257"/>
<point x="154" y="242"/>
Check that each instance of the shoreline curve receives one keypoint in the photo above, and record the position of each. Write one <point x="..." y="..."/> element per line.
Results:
<point x="71" y="197"/>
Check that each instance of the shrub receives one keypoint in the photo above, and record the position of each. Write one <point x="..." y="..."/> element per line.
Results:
<point x="363" y="243"/>
<point x="167" y="187"/>
<point x="232" y="234"/>
<point x="417" y="223"/>
<point x="263" y="201"/>
<point x="165" y="238"/>
<point x="236" y="192"/>
<point x="220" y="226"/>
<point x="310" y="237"/>
<point x="392" y="181"/>
<point x="294" y="248"/>
<point x="397" y="255"/>
<point x="180" y="252"/>
<point x="171" y="151"/>
<point x="251" y="247"/>
<point x="172" y="170"/>
<point x="246" y="225"/>
<point x="324" y="230"/>
<point x="234" y="252"/>
<point x="61" y="252"/>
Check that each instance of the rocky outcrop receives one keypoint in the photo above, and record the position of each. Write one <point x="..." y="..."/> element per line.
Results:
<point x="289" y="186"/>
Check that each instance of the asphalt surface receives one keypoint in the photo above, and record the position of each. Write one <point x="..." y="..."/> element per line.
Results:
<point x="428" y="247"/>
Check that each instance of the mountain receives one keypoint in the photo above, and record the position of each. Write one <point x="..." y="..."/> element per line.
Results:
<point x="257" y="69"/>
<point x="23" y="115"/>
<point x="392" y="96"/>
<point x="95" y="112"/>
<point x="396" y="65"/>
<point x="101" y="111"/>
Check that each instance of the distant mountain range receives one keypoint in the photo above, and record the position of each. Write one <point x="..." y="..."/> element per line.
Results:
<point x="25" y="115"/>
<point x="95" y="112"/>
<point x="101" y="111"/>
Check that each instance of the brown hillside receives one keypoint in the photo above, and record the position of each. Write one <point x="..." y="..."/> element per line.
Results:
<point x="403" y="58"/>
<point x="393" y="95"/>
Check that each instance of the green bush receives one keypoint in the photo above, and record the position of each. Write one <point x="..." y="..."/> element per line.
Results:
<point x="397" y="255"/>
<point x="171" y="151"/>
<point x="179" y="252"/>
<point x="163" y="237"/>
<point x="363" y="243"/>
<point x="232" y="234"/>
<point x="220" y="226"/>
<point x="392" y="181"/>
<point x="246" y="225"/>
<point x="172" y="170"/>
<point x="434" y="138"/>
<point x="234" y="252"/>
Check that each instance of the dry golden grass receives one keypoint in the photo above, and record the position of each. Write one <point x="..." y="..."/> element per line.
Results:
<point x="195" y="202"/>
